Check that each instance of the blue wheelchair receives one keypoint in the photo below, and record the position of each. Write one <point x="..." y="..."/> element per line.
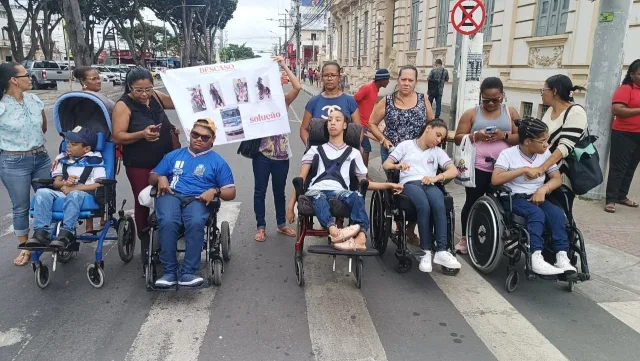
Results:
<point x="93" y="111"/>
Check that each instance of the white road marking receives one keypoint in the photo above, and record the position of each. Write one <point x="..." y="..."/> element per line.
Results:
<point x="177" y="322"/>
<point x="6" y="224"/>
<point x="340" y="326"/>
<point x="626" y="312"/>
<point x="12" y="337"/>
<point x="298" y="120"/>
<point x="505" y="332"/>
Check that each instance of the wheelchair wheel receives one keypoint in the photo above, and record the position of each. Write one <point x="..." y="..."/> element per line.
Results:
<point x="377" y="227"/>
<point x="359" y="266"/>
<point x="404" y="264"/>
<point x="225" y="240"/>
<point x="126" y="239"/>
<point x="95" y="274"/>
<point x="299" y="272"/>
<point x="512" y="281"/>
<point x="216" y="271"/>
<point x="65" y="256"/>
<point x="485" y="228"/>
<point x="41" y="273"/>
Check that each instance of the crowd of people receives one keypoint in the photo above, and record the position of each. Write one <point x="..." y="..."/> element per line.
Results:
<point x="527" y="154"/>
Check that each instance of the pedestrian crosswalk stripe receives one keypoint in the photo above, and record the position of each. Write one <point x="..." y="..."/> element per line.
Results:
<point x="178" y="322"/>
<point x="627" y="312"/>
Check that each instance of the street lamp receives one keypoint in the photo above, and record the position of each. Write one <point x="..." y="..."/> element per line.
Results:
<point x="359" y="42"/>
<point x="380" y="20"/>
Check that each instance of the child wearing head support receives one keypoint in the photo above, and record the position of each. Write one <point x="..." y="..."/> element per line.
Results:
<point x="75" y="172"/>
<point x="516" y="168"/>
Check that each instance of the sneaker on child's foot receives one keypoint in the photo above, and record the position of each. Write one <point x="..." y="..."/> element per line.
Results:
<point x="167" y="280"/>
<point x="425" y="262"/>
<point x="446" y="259"/>
<point x="190" y="280"/>
<point x="562" y="262"/>
<point x="461" y="247"/>
<point x="541" y="267"/>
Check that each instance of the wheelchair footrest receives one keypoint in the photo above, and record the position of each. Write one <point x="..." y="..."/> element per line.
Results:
<point x="176" y="288"/>
<point x="328" y="249"/>
<point x="72" y="247"/>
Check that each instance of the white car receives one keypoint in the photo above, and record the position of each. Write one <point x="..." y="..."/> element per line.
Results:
<point x="107" y="73"/>
<point x="120" y="73"/>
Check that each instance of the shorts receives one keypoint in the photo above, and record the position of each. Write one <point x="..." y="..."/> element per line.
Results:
<point x="366" y="144"/>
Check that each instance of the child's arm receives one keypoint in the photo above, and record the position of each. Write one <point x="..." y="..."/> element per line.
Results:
<point x="58" y="182"/>
<point x="379" y="186"/>
<point x="304" y="171"/>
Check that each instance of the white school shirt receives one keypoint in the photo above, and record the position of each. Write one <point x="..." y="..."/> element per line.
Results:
<point x="424" y="163"/>
<point x="512" y="158"/>
<point x="334" y="152"/>
<point x="96" y="173"/>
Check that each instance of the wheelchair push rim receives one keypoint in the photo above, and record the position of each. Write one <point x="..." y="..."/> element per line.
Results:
<point x="484" y="234"/>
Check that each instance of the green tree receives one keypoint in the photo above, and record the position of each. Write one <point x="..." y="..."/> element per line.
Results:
<point x="234" y="52"/>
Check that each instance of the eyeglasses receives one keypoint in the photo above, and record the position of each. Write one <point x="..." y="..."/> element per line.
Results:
<point x="330" y="76"/>
<point x="21" y="76"/>
<point x="142" y="90"/>
<point x="494" y="101"/>
<point x="203" y="137"/>
<point x="543" y="142"/>
<point x="543" y="90"/>
<point x="94" y="78"/>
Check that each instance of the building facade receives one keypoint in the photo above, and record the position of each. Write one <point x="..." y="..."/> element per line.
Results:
<point x="525" y="41"/>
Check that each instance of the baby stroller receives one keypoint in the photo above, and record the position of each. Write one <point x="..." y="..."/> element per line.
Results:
<point x="90" y="110"/>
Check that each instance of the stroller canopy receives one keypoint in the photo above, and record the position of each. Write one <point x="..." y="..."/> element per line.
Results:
<point x="87" y="109"/>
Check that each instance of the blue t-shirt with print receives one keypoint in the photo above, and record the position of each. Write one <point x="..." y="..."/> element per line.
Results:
<point x="320" y="107"/>
<point x="193" y="174"/>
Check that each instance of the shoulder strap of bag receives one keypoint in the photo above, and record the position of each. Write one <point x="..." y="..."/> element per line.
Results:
<point x="155" y="95"/>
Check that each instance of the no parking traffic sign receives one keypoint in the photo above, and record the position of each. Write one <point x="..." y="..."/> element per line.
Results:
<point x="467" y="16"/>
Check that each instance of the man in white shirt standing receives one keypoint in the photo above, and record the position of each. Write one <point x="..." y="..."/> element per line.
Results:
<point x="516" y="168"/>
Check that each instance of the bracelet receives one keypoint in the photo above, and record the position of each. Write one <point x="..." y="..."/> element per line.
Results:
<point x="506" y="136"/>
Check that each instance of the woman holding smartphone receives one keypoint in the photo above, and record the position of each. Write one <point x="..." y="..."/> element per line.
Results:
<point x="491" y="128"/>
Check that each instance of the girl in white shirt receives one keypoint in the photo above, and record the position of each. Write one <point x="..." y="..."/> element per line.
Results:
<point x="418" y="161"/>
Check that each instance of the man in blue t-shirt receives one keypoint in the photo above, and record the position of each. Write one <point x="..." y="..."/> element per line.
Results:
<point x="188" y="179"/>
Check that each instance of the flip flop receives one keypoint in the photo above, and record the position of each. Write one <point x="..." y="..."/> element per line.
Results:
<point x="23" y="258"/>
<point x="629" y="203"/>
<point x="610" y="208"/>
<point x="261" y="235"/>
<point x="287" y="231"/>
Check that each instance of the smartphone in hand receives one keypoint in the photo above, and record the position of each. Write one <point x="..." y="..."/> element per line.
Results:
<point x="156" y="128"/>
<point x="491" y="129"/>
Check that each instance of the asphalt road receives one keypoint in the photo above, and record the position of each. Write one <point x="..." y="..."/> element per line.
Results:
<point x="259" y="312"/>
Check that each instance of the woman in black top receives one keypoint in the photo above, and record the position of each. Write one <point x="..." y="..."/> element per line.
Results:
<point x="141" y="125"/>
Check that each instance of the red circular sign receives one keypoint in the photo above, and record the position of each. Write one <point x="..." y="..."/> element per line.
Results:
<point x="468" y="16"/>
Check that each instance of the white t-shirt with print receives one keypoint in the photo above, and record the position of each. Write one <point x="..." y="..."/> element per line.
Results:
<point x="512" y="158"/>
<point x="424" y="163"/>
<point x="96" y="172"/>
<point x="334" y="152"/>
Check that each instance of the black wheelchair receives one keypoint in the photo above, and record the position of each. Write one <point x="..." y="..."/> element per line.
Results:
<point x="494" y="232"/>
<point x="318" y="135"/>
<point x="217" y="248"/>
<point x="386" y="207"/>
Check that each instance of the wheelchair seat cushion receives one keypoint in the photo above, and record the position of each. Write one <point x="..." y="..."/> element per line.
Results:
<point x="338" y="208"/>
<point x="89" y="207"/>
<point x="404" y="203"/>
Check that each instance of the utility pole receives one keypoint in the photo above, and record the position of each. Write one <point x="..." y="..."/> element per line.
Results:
<point x="298" y="30"/>
<point x="454" y="87"/>
<point x="605" y="73"/>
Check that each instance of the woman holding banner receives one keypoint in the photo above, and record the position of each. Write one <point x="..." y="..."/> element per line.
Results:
<point x="273" y="161"/>
<point x="141" y="125"/>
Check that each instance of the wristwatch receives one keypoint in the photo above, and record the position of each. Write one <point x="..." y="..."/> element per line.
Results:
<point x="506" y="136"/>
<point x="217" y="191"/>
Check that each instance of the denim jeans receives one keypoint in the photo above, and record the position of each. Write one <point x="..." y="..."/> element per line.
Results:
<point x="263" y="168"/>
<point x="384" y="154"/>
<point x="172" y="214"/>
<point x="16" y="172"/>
<point x="353" y="199"/>
<point x="43" y="208"/>
<point x="537" y="217"/>
<point x="438" y="99"/>
<point x="429" y="200"/>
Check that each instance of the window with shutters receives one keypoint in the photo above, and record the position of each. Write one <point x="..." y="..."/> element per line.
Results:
<point x="355" y="34"/>
<point x="365" y="33"/>
<point x="552" y="17"/>
<point x="413" y="33"/>
<point x="443" y="23"/>
<point x="348" y="47"/>
<point x="488" y="22"/>
<point x="527" y="109"/>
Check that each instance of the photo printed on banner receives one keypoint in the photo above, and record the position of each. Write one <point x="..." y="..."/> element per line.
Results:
<point x="241" y="89"/>
<point x="232" y="122"/>
<point x="474" y="66"/>
<point x="264" y="93"/>
<point x="215" y="91"/>
<point x="197" y="100"/>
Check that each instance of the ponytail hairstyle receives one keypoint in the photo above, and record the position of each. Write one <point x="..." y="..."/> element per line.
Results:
<point x="635" y="65"/>
<point x="436" y="123"/>
<point x="81" y="73"/>
<point x="7" y="71"/>
<point x="135" y="74"/>
<point x="403" y="68"/>
<point x="530" y="128"/>
<point x="563" y="87"/>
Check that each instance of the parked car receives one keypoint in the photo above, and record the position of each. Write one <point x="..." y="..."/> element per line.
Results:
<point x="106" y="73"/>
<point x="120" y="75"/>
<point x="45" y="73"/>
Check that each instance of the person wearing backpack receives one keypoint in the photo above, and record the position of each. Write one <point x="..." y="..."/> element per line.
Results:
<point x="625" y="139"/>
<point x="438" y="76"/>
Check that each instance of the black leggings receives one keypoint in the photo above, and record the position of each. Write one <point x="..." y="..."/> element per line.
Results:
<point x="483" y="182"/>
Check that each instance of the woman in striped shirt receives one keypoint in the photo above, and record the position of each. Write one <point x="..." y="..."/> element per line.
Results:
<point x="567" y="123"/>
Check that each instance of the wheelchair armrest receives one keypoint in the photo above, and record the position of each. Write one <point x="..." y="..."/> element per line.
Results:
<point x="213" y="206"/>
<point x="364" y="185"/>
<point x="106" y="182"/>
<point x="43" y="181"/>
<point x="298" y="185"/>
<point x="154" y="192"/>
<point x="502" y="189"/>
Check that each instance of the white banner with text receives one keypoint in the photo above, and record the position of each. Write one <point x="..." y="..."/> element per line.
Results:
<point x="244" y="98"/>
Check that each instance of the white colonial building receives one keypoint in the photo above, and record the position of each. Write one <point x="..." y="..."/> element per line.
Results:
<point x="526" y="41"/>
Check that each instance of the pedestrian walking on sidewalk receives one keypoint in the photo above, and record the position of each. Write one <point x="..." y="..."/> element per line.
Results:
<point x="366" y="97"/>
<point x="438" y="76"/>
<point x="23" y="156"/>
<point x="625" y="140"/>
<point x="272" y="161"/>
<point x="491" y="128"/>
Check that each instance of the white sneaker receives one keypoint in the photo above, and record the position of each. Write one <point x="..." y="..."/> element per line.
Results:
<point x="541" y="267"/>
<point x="562" y="262"/>
<point x="425" y="262"/>
<point x="446" y="259"/>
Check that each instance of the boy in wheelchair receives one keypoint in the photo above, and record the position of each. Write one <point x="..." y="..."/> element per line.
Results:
<point x="333" y="180"/>
<point x="188" y="179"/>
<point x="515" y="168"/>
<point x="76" y="173"/>
<point x="418" y="161"/>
